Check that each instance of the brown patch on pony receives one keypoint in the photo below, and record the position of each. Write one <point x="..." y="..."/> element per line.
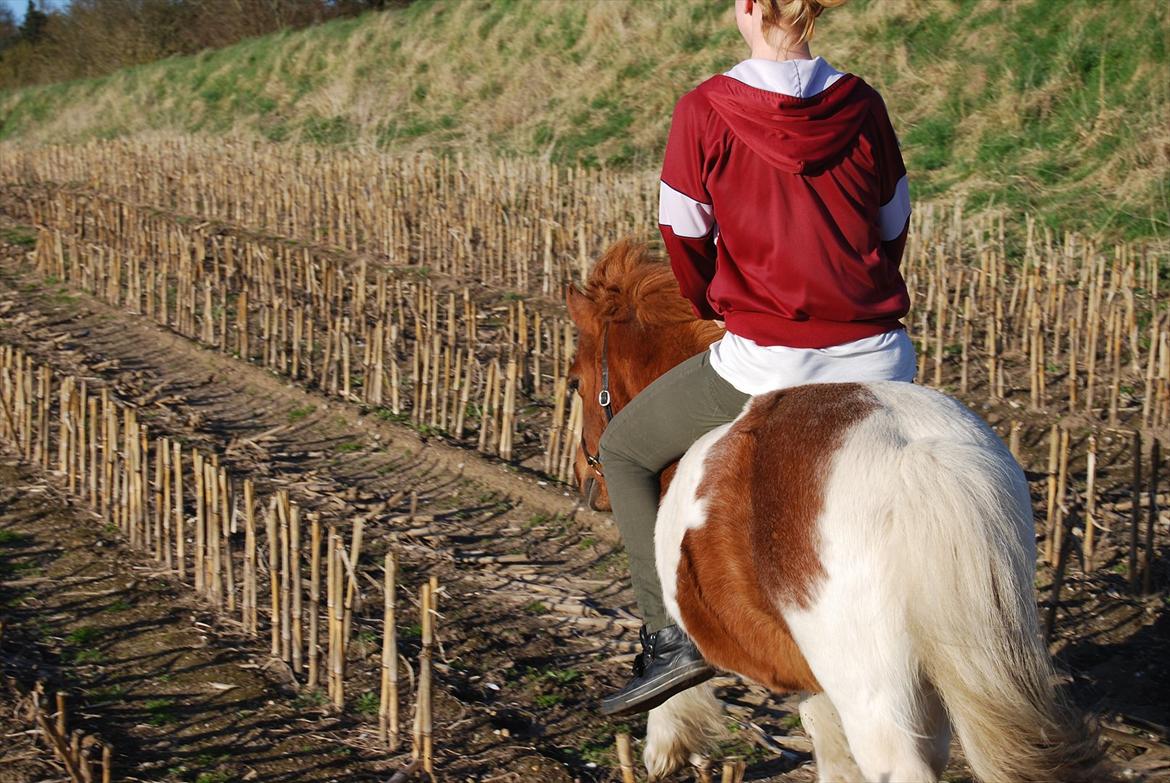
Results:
<point x="758" y="547"/>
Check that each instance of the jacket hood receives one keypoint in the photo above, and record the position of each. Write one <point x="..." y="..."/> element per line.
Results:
<point x="797" y="135"/>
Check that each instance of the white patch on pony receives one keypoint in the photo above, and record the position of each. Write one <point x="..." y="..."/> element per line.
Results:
<point x="679" y="512"/>
<point x="925" y="539"/>
<point x="691" y="722"/>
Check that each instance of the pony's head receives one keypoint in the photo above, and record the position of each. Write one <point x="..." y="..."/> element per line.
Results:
<point x="632" y="316"/>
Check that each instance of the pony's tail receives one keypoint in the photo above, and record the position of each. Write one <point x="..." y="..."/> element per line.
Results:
<point x="974" y="621"/>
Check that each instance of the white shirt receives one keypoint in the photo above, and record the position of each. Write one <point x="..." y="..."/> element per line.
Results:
<point x="756" y="369"/>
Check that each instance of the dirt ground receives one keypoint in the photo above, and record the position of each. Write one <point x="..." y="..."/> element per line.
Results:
<point x="536" y="618"/>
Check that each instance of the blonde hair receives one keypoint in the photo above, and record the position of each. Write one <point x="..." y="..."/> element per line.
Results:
<point x="799" y="16"/>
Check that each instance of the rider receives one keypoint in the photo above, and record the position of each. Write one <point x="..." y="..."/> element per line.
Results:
<point x="784" y="209"/>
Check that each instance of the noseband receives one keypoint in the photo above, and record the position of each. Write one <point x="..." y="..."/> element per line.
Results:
<point x="605" y="400"/>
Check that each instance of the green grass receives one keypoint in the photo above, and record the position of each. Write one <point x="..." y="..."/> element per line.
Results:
<point x="1013" y="105"/>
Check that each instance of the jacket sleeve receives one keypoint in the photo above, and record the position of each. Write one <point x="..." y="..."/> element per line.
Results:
<point x="686" y="216"/>
<point x="894" y="214"/>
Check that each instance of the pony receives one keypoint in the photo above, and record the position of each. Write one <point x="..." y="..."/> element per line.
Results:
<point x="869" y="543"/>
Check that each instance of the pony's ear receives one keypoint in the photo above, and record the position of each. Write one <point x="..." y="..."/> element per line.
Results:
<point x="579" y="306"/>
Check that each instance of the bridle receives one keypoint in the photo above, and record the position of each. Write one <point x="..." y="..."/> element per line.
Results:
<point x="605" y="400"/>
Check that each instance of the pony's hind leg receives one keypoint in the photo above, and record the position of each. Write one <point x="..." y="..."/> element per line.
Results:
<point x="937" y="725"/>
<point x="891" y="741"/>
<point x="685" y="724"/>
<point x="830" y="748"/>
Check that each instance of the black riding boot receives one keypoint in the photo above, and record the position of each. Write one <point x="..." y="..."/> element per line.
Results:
<point x="668" y="664"/>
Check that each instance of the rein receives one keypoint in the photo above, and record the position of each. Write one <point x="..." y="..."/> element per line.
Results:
<point x="605" y="400"/>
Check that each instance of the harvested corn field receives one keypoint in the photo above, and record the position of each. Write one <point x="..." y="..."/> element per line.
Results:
<point x="306" y="396"/>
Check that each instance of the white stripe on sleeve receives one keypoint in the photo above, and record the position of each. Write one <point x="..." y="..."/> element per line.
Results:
<point x="895" y="212"/>
<point x="685" y="216"/>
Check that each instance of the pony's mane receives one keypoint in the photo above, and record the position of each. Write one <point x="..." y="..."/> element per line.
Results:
<point x="631" y="283"/>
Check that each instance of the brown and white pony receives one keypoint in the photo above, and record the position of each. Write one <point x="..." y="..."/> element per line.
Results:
<point x="871" y="543"/>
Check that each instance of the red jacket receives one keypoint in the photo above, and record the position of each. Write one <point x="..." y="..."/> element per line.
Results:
<point x="787" y="216"/>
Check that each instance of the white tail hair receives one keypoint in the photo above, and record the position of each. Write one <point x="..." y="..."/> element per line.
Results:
<point x="965" y="508"/>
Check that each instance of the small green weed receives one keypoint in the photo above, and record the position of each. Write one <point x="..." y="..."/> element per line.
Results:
<point x="213" y="777"/>
<point x="561" y="676"/>
<point x="598" y="749"/>
<point x="111" y="693"/>
<point x="83" y="636"/>
<point x="209" y="759"/>
<point x="311" y="698"/>
<point x="25" y="237"/>
<point x="160" y="711"/>
<point x="548" y="699"/>
<point x="12" y="538"/>
<point x="296" y="414"/>
<point x="536" y="520"/>
<point x="8" y="567"/>
<point x="89" y="655"/>
<point x="367" y="703"/>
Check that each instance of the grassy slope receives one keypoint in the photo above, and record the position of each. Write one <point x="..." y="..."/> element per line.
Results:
<point x="1062" y="107"/>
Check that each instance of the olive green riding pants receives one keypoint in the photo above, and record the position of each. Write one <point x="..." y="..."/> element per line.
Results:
<point x="646" y="436"/>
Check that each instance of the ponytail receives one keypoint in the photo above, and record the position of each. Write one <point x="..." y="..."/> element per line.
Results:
<point x="799" y="16"/>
